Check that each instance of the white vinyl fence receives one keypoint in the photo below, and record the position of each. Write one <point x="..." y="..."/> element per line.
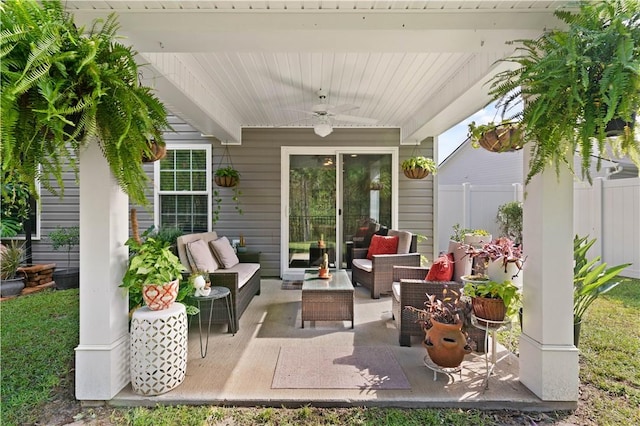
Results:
<point x="609" y="211"/>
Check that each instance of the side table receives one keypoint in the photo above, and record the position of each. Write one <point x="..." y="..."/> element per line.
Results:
<point x="216" y="293"/>
<point x="490" y="327"/>
<point x="249" y="256"/>
<point x="158" y="354"/>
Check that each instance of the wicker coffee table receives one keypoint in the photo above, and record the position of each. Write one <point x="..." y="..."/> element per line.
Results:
<point x="327" y="299"/>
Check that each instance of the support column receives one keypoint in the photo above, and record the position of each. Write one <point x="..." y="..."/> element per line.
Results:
<point x="102" y="357"/>
<point x="548" y="359"/>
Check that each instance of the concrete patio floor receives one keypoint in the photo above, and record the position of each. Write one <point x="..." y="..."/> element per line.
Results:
<point x="238" y="370"/>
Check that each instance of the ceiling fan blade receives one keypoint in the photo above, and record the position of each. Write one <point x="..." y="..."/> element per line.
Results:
<point x="355" y="119"/>
<point x="342" y="108"/>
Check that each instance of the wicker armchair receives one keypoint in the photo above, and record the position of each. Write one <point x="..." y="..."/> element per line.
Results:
<point x="377" y="274"/>
<point x="410" y="289"/>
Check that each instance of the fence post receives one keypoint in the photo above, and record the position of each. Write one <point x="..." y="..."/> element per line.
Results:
<point x="597" y="207"/>
<point x="466" y="205"/>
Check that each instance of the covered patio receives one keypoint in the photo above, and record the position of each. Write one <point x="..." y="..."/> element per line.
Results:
<point x="430" y="91"/>
<point x="240" y="370"/>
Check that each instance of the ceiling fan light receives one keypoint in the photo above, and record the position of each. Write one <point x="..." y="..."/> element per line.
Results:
<point x="322" y="129"/>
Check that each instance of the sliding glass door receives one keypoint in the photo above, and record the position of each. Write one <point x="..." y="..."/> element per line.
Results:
<point x="324" y="210"/>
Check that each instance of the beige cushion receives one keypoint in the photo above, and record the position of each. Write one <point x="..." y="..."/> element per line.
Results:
<point x="183" y="240"/>
<point x="200" y="257"/>
<point x="404" y="240"/>
<point x="363" y="264"/>
<point x="462" y="263"/>
<point x="244" y="270"/>
<point x="224" y="252"/>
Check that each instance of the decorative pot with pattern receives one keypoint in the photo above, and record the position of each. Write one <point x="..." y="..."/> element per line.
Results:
<point x="446" y="344"/>
<point x="158" y="297"/>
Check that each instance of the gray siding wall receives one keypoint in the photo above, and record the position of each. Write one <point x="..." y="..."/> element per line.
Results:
<point x="258" y="161"/>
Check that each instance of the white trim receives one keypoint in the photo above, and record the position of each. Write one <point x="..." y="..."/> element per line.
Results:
<point x="287" y="151"/>
<point x="206" y="146"/>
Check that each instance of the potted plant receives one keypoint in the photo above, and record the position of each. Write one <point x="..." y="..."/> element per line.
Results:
<point x="323" y="270"/>
<point x="572" y="81"/>
<point x="505" y="136"/>
<point x="500" y="259"/>
<point x="11" y="282"/>
<point x="66" y="238"/>
<point x="226" y="177"/>
<point x="492" y="300"/>
<point x="590" y="280"/>
<point x="67" y="82"/>
<point x="153" y="273"/>
<point x="442" y="322"/>
<point x="509" y="219"/>
<point x="418" y="167"/>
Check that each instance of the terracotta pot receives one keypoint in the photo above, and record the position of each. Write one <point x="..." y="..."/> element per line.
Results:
<point x="225" y="181"/>
<point x="488" y="309"/>
<point x="502" y="139"/>
<point x="417" y="173"/>
<point x="159" y="297"/>
<point x="446" y="344"/>
<point x="323" y="273"/>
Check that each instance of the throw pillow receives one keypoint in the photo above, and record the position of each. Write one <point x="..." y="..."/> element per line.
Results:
<point x="442" y="268"/>
<point x="224" y="252"/>
<point x="382" y="245"/>
<point x="201" y="256"/>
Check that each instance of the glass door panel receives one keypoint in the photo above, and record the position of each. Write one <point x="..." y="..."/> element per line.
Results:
<point x="366" y="200"/>
<point x="312" y="210"/>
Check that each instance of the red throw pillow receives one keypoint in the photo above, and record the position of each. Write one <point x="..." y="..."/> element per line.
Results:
<point x="442" y="268"/>
<point x="382" y="245"/>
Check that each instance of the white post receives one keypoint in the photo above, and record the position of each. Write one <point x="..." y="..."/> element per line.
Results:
<point x="102" y="357"/>
<point x="548" y="358"/>
<point x="466" y="205"/>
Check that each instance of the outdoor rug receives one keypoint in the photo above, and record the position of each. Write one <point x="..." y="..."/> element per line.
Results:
<point x="291" y="285"/>
<point x="359" y="367"/>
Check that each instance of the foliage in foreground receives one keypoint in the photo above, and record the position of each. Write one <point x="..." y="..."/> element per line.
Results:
<point x="34" y="366"/>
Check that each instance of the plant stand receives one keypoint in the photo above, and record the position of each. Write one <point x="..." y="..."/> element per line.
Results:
<point x="443" y="370"/>
<point x="491" y="327"/>
<point x="158" y="349"/>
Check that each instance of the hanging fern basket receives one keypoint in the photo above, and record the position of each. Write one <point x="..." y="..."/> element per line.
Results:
<point x="416" y="173"/>
<point x="506" y="138"/>
<point x="226" y="181"/>
<point x="158" y="152"/>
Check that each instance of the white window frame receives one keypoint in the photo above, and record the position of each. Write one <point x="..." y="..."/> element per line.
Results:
<point x="208" y="192"/>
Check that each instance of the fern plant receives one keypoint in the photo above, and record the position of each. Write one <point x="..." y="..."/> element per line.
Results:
<point x="575" y="80"/>
<point x="64" y="87"/>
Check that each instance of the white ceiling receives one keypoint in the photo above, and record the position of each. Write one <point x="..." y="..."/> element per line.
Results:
<point x="415" y="65"/>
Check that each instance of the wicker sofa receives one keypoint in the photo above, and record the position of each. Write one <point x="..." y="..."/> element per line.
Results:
<point x="243" y="280"/>
<point x="377" y="274"/>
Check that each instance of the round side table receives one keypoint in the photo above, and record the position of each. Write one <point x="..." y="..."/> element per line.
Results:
<point x="158" y="349"/>
<point x="216" y="293"/>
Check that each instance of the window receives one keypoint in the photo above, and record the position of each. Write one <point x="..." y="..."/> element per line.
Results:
<point x="183" y="182"/>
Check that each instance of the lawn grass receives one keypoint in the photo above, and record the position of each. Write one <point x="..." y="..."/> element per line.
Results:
<point x="40" y="331"/>
<point x="39" y="334"/>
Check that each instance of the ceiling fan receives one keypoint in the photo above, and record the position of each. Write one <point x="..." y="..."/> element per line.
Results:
<point x="325" y="113"/>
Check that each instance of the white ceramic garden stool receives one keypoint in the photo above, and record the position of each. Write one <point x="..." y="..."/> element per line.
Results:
<point x="158" y="349"/>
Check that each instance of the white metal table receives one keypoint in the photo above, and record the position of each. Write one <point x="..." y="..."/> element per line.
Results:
<point x="216" y="293"/>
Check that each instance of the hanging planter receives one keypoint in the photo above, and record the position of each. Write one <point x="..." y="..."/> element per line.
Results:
<point x="504" y="137"/>
<point x="618" y="126"/>
<point x="158" y="152"/>
<point x="418" y="167"/>
<point x="227" y="177"/>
